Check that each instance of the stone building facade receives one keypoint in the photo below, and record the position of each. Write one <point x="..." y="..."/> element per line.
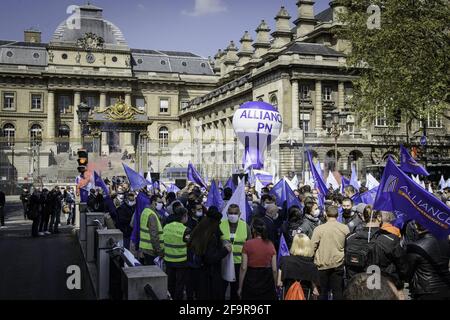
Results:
<point x="300" y="68"/>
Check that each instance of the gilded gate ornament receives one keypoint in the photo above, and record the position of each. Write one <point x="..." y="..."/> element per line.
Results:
<point x="120" y="111"/>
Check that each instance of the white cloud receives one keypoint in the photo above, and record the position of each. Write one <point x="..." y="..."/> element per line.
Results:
<point x="205" y="7"/>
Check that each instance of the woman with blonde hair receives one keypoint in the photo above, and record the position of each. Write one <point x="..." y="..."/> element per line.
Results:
<point x="299" y="266"/>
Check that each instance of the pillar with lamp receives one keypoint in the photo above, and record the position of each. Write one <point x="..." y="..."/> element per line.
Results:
<point x="336" y="123"/>
<point x="83" y="118"/>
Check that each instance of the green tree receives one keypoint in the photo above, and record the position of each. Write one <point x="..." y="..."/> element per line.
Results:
<point x="403" y="65"/>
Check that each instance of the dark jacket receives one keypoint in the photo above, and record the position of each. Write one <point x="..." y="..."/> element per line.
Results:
<point x="389" y="255"/>
<point x="2" y="199"/>
<point x="428" y="260"/>
<point x="34" y="206"/>
<point x="210" y="281"/>
<point x="290" y="229"/>
<point x="24" y="197"/>
<point x="308" y="225"/>
<point x="124" y="215"/>
<point x="298" y="268"/>
<point x="354" y="223"/>
<point x="273" y="229"/>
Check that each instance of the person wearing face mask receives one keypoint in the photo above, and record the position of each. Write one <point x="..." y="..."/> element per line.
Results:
<point x="175" y="237"/>
<point x="151" y="231"/>
<point x="273" y="222"/>
<point x="351" y="217"/>
<point x="235" y="231"/>
<point x="196" y="215"/>
<point x="329" y="240"/>
<point x="373" y="245"/>
<point x="124" y="215"/>
<point x="311" y="213"/>
<point x="260" y="210"/>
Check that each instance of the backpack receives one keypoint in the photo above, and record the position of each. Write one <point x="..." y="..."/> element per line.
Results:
<point x="360" y="253"/>
<point x="295" y="292"/>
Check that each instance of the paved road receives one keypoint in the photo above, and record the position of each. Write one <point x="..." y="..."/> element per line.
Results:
<point x="35" y="268"/>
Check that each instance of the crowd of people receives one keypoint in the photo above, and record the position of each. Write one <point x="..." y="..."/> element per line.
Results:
<point x="44" y="207"/>
<point x="332" y="247"/>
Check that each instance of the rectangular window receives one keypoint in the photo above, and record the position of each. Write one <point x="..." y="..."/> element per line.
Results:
<point x="304" y="121"/>
<point x="327" y="94"/>
<point x="64" y="104"/>
<point x="304" y="92"/>
<point x="164" y="105"/>
<point x="36" y="101"/>
<point x="91" y="101"/>
<point x="140" y="103"/>
<point x="9" y="100"/>
<point x="434" y="121"/>
<point x="380" y="120"/>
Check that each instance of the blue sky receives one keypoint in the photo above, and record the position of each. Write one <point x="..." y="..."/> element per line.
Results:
<point x="199" y="26"/>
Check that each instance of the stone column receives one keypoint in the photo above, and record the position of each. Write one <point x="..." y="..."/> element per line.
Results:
<point x="295" y="105"/>
<point x="125" y="139"/>
<point x="51" y="115"/>
<point x="341" y="95"/>
<point x="76" y="133"/>
<point x="102" y="106"/>
<point x="318" y="105"/>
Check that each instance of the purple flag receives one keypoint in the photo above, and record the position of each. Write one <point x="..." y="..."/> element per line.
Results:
<point x="283" y="192"/>
<point x="230" y="184"/>
<point x="283" y="250"/>
<point x="100" y="183"/>
<point x="344" y="182"/>
<point x="214" y="197"/>
<point x="369" y="196"/>
<point x="194" y="176"/>
<point x="318" y="179"/>
<point x="399" y="192"/>
<point x="136" y="180"/>
<point x="142" y="202"/>
<point x="409" y="165"/>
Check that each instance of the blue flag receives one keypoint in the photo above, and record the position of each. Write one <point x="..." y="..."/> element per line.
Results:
<point x="230" y="184"/>
<point x="369" y="196"/>
<point x="354" y="178"/>
<point x="173" y="188"/>
<point x="137" y="181"/>
<point x="409" y="165"/>
<point x="318" y="179"/>
<point x="279" y="191"/>
<point x="214" y="197"/>
<point x="194" y="176"/>
<point x="291" y="198"/>
<point x="356" y="198"/>
<point x="399" y="192"/>
<point x="100" y="183"/>
<point x="283" y="250"/>
<point x="344" y="182"/>
<point x="142" y="202"/>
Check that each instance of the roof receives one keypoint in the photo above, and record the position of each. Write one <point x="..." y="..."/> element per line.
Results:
<point x="325" y="16"/>
<point x="10" y="43"/>
<point x="312" y="49"/>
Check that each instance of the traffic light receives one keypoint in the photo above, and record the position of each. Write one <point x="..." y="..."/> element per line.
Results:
<point x="82" y="160"/>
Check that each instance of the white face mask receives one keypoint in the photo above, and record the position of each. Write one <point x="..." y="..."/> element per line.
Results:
<point x="275" y="217"/>
<point x="131" y="203"/>
<point x="233" y="218"/>
<point x="159" y="206"/>
<point x="198" y="214"/>
<point x="205" y="199"/>
<point x="316" y="213"/>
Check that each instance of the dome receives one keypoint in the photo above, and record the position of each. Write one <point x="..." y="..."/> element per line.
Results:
<point x="91" y="27"/>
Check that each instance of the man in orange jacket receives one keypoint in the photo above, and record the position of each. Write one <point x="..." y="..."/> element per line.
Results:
<point x="386" y="219"/>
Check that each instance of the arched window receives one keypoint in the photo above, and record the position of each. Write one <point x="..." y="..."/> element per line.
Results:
<point x="274" y="100"/>
<point x="35" y="131"/>
<point x="9" y="132"/>
<point x="64" y="131"/>
<point x="163" y="137"/>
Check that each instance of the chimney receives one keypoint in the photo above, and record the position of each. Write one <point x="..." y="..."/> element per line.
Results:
<point x="338" y="8"/>
<point x="218" y="63"/>
<point x="246" y="52"/>
<point x="262" y="43"/>
<point x="305" y="22"/>
<point x="32" y="36"/>
<point x="283" y="34"/>
<point x="231" y="57"/>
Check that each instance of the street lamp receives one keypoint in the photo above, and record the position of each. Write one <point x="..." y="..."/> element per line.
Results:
<point x="36" y="141"/>
<point x="335" y="122"/>
<point x="83" y="118"/>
